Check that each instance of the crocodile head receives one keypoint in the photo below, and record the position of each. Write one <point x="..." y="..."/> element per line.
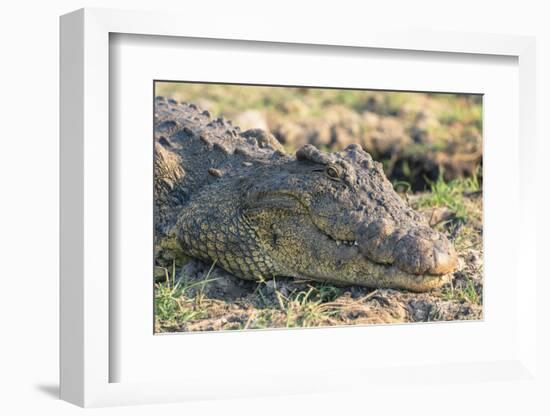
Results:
<point x="322" y="216"/>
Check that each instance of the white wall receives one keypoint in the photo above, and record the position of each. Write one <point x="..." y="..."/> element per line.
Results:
<point x="29" y="183"/>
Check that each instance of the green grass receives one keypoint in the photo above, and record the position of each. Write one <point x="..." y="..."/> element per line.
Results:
<point x="303" y="308"/>
<point x="462" y="111"/>
<point x="173" y="306"/>
<point x="450" y="194"/>
<point x="466" y="291"/>
<point x="180" y="303"/>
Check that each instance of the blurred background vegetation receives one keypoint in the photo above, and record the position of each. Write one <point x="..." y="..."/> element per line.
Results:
<point x="419" y="137"/>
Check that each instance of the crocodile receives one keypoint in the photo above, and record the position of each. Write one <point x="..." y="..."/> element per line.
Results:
<point x="237" y="199"/>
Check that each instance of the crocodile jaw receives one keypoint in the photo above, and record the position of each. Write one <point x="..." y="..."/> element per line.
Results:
<point x="308" y="252"/>
<point x="412" y="248"/>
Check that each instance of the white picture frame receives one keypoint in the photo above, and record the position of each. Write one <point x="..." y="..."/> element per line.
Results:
<point x="86" y="351"/>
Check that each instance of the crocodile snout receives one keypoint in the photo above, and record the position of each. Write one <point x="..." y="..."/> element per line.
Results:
<point x="413" y="249"/>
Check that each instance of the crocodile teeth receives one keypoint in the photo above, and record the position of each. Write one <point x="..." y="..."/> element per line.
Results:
<point x="348" y="243"/>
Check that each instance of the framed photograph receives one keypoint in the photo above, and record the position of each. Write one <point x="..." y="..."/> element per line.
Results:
<point x="259" y="213"/>
<point x="287" y="222"/>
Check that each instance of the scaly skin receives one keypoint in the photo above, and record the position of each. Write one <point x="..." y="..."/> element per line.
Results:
<point x="236" y="198"/>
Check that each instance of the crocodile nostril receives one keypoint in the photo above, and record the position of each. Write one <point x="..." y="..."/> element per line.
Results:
<point x="445" y="258"/>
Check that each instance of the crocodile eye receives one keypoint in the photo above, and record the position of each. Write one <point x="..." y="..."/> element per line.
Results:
<point x="333" y="172"/>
